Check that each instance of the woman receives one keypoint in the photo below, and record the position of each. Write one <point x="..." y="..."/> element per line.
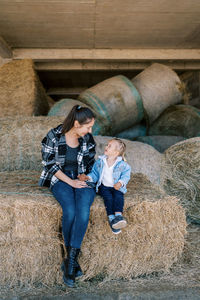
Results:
<point x="68" y="151"/>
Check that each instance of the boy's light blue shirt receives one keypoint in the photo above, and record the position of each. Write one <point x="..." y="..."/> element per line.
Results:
<point x="121" y="172"/>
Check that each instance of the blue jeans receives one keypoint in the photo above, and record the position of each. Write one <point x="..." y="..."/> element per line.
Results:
<point x="75" y="205"/>
<point x="113" y="199"/>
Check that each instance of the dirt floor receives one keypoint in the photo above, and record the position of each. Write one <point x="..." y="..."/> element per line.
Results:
<point x="182" y="282"/>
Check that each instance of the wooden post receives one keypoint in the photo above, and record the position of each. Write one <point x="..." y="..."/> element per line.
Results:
<point x="5" y="50"/>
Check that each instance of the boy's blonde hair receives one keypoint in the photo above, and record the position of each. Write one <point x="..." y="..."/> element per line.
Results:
<point x="122" y="147"/>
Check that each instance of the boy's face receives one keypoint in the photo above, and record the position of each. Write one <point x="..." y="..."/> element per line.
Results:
<point x="111" y="149"/>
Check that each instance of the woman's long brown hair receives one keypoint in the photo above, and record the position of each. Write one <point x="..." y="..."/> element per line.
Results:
<point x="80" y="113"/>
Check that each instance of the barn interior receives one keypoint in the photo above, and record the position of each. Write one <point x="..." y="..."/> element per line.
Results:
<point x="75" y="45"/>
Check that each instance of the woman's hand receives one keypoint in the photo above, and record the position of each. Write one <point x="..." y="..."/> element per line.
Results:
<point x="83" y="177"/>
<point x="78" y="184"/>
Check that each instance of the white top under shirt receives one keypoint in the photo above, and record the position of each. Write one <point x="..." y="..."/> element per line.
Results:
<point x="107" y="178"/>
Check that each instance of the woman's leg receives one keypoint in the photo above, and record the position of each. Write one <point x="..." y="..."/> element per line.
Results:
<point x="84" y="199"/>
<point x="65" y="195"/>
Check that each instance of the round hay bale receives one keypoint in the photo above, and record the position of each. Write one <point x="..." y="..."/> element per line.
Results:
<point x="160" y="142"/>
<point x="133" y="132"/>
<point x="21" y="92"/>
<point x="178" y="120"/>
<point x="159" y="87"/>
<point x="180" y="175"/>
<point x="141" y="157"/>
<point x="63" y="107"/>
<point x="112" y="98"/>
<point x="152" y="241"/>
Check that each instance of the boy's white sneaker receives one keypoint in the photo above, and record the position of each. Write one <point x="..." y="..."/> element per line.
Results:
<point x="115" y="231"/>
<point x="119" y="222"/>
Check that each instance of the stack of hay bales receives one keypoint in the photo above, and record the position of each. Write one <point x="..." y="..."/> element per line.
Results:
<point x="31" y="248"/>
<point x="180" y="175"/>
<point x="116" y="103"/>
<point x="146" y="96"/>
<point x="21" y="92"/>
<point x="30" y="233"/>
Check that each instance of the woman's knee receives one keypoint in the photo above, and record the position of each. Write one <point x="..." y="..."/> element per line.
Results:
<point x="85" y="196"/>
<point x="68" y="212"/>
<point x="83" y="217"/>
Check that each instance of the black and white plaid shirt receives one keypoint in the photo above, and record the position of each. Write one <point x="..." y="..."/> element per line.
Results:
<point x="54" y="152"/>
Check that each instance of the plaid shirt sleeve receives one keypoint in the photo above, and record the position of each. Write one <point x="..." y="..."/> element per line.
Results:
<point x="49" y="150"/>
<point x="91" y="154"/>
<point x="86" y="155"/>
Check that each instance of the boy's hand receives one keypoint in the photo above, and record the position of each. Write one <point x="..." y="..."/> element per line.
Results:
<point x="83" y="177"/>
<point x="117" y="186"/>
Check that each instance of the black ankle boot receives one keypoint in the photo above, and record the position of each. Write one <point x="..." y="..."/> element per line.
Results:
<point x="69" y="267"/>
<point x="78" y="271"/>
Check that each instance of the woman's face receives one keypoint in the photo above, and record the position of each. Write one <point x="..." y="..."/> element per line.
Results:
<point x="83" y="129"/>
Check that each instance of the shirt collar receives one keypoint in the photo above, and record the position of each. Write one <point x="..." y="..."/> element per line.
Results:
<point x="103" y="157"/>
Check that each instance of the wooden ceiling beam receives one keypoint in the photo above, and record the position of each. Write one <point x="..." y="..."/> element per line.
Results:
<point x="110" y="65"/>
<point x="107" y="54"/>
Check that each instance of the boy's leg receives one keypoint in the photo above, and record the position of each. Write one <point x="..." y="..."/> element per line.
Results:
<point x="118" y="201"/>
<point x="118" y="205"/>
<point x="106" y="194"/>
